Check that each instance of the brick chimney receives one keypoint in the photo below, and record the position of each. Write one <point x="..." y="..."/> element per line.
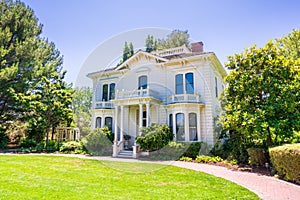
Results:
<point x="197" y="47"/>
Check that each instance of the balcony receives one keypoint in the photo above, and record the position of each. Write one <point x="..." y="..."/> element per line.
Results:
<point x="103" y="105"/>
<point x="129" y="94"/>
<point x="183" y="98"/>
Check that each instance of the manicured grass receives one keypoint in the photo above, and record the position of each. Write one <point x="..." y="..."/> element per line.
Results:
<point x="52" y="177"/>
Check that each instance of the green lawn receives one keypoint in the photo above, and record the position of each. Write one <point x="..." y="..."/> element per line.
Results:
<point x="52" y="177"/>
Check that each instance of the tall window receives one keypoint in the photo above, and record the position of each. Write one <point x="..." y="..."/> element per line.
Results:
<point x="193" y="127"/>
<point x="98" y="122"/>
<point x="112" y="91"/>
<point x="216" y="86"/>
<point x="108" y="122"/>
<point x="105" y="92"/>
<point x="144" y="118"/>
<point x="171" y="122"/>
<point x="180" y="134"/>
<point x="143" y="82"/>
<point x="189" y="83"/>
<point x="179" y="84"/>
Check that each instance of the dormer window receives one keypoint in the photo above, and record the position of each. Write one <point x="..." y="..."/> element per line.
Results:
<point x="143" y="82"/>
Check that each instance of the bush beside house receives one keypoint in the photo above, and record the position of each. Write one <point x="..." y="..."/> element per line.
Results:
<point x="286" y="160"/>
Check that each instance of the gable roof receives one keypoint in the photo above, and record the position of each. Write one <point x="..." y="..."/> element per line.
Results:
<point x="137" y="56"/>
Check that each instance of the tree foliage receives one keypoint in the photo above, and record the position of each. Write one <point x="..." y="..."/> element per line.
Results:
<point x="47" y="106"/>
<point x="28" y="64"/>
<point x="150" y="43"/>
<point x="175" y="39"/>
<point x="82" y="104"/>
<point x="128" y="51"/>
<point x="262" y="97"/>
<point x="291" y="44"/>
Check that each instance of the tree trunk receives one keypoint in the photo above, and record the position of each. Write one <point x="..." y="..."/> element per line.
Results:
<point x="52" y="134"/>
<point x="47" y="138"/>
<point x="269" y="138"/>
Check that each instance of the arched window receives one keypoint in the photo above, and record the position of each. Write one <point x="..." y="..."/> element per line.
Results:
<point x="189" y="83"/>
<point x="98" y="122"/>
<point x="180" y="134"/>
<point x="193" y="127"/>
<point x="108" y="122"/>
<point x="105" y="92"/>
<point x="179" y="84"/>
<point x="143" y="82"/>
<point x="171" y="122"/>
<point x="112" y="91"/>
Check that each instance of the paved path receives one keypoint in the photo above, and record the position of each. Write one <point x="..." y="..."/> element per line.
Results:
<point x="266" y="187"/>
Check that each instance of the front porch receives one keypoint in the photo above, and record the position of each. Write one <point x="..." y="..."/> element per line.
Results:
<point x="131" y="114"/>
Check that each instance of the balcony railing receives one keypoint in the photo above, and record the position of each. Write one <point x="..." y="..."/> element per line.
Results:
<point x="129" y="94"/>
<point x="104" y="105"/>
<point x="183" y="98"/>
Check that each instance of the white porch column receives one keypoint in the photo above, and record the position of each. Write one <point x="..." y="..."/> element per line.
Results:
<point x="199" y="125"/>
<point x="102" y="121"/>
<point x="122" y="124"/>
<point x="116" y="123"/>
<point x="186" y="126"/>
<point x="147" y="114"/>
<point x="140" y="117"/>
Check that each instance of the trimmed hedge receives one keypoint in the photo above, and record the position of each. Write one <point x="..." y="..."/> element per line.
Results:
<point x="286" y="160"/>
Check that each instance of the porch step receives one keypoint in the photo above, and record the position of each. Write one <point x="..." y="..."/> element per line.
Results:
<point x="125" y="154"/>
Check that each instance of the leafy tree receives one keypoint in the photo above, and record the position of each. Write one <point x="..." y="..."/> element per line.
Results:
<point x="291" y="44"/>
<point x="82" y="104"/>
<point x="175" y="39"/>
<point x="262" y="96"/>
<point x="25" y="57"/>
<point x="150" y="43"/>
<point x="47" y="106"/>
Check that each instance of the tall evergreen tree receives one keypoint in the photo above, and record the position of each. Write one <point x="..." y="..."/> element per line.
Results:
<point x="150" y="43"/>
<point x="128" y="51"/>
<point x="26" y="58"/>
<point x="131" y="49"/>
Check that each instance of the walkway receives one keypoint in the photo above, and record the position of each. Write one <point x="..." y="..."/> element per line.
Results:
<point x="266" y="187"/>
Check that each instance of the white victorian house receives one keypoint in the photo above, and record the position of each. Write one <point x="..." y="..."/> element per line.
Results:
<point x="178" y="87"/>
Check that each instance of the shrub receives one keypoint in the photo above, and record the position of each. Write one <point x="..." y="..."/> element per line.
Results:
<point x="286" y="160"/>
<point x="172" y="151"/>
<point x="52" y="146"/>
<point x="207" y="159"/>
<point x="192" y="149"/>
<point x="154" y="137"/>
<point x="256" y="156"/>
<point x="28" y="143"/>
<point x="97" y="143"/>
<point x="183" y="158"/>
<point x="72" y="147"/>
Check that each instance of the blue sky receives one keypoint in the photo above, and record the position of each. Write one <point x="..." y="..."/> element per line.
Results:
<point x="226" y="27"/>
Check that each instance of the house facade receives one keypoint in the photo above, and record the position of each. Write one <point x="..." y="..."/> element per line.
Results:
<point x="178" y="87"/>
